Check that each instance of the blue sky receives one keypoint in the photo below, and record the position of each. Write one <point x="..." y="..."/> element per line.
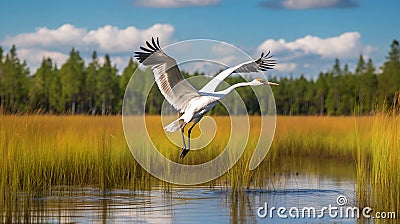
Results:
<point x="304" y="35"/>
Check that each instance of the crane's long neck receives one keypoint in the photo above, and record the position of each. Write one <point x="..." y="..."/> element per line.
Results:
<point x="231" y="88"/>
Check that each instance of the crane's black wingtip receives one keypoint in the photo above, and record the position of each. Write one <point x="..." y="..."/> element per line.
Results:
<point x="263" y="55"/>
<point x="152" y="47"/>
<point x="140" y="56"/>
<point x="266" y="62"/>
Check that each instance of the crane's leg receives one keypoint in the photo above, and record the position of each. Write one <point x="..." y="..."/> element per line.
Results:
<point x="184" y="152"/>
<point x="190" y="129"/>
<point x="184" y="149"/>
<point x="183" y="135"/>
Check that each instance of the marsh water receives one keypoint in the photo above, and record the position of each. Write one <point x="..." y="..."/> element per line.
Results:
<point x="308" y="183"/>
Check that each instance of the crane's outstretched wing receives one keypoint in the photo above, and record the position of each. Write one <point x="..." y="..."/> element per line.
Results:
<point x="176" y="90"/>
<point x="264" y="63"/>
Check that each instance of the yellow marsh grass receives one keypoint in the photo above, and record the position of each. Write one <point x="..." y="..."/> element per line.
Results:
<point x="39" y="152"/>
<point x="42" y="151"/>
<point x="378" y="171"/>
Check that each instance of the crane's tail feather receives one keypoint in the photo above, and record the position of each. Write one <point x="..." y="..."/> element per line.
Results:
<point x="174" y="126"/>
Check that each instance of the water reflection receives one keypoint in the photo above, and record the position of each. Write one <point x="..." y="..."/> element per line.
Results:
<point x="202" y="204"/>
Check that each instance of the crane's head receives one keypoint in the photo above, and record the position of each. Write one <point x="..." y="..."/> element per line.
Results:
<point x="259" y="81"/>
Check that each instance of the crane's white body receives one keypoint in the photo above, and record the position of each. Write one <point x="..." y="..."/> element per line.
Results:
<point x="196" y="108"/>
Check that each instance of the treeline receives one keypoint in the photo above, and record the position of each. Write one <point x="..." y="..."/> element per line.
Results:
<point x="97" y="88"/>
<point x="71" y="89"/>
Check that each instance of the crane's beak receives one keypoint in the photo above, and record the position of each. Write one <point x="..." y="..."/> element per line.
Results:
<point x="272" y="83"/>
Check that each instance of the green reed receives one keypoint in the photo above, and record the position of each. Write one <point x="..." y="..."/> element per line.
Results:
<point x="378" y="170"/>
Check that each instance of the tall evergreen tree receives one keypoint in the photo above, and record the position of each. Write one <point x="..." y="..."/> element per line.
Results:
<point x="92" y="72"/>
<point x="321" y="89"/>
<point x="359" y="72"/>
<point x="106" y="86"/>
<point x="15" y="83"/>
<point x="389" y="80"/>
<point x="360" y="69"/>
<point x="347" y="92"/>
<point x="334" y="86"/>
<point x="125" y="77"/>
<point x="43" y="78"/>
<point x="55" y="99"/>
<point x="369" y="86"/>
<point x="127" y="74"/>
<point x="72" y="81"/>
<point x="336" y="70"/>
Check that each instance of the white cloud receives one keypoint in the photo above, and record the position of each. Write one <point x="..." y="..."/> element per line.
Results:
<point x="112" y="39"/>
<point x="56" y="43"/>
<point x="108" y="38"/>
<point x="308" y="4"/>
<point x="273" y="45"/>
<point x="309" y="55"/>
<point x="286" y="67"/>
<point x="346" y="45"/>
<point x="66" y="34"/>
<point x="174" y="3"/>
